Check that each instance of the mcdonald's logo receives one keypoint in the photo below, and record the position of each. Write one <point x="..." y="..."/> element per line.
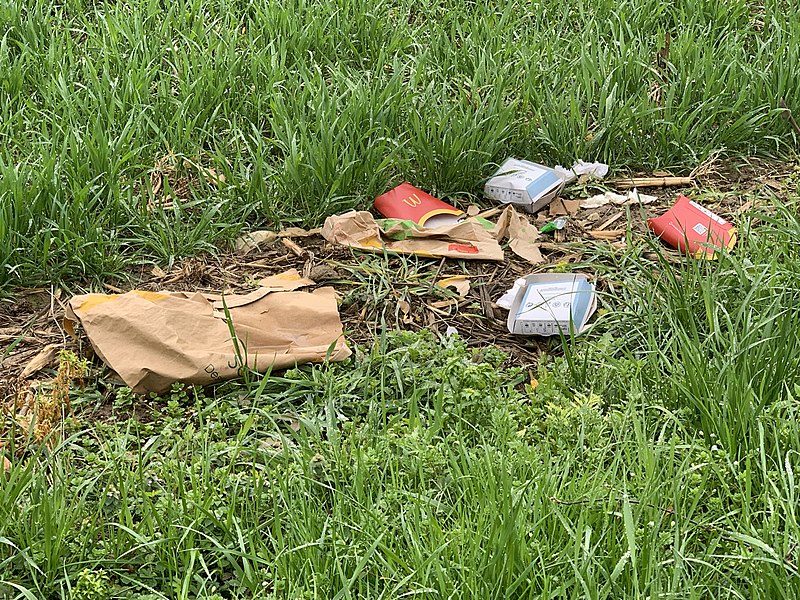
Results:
<point x="413" y="200"/>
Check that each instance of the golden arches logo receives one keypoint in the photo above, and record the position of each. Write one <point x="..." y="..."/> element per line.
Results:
<point x="413" y="200"/>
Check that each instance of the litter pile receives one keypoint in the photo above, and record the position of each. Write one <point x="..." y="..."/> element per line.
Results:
<point x="260" y="310"/>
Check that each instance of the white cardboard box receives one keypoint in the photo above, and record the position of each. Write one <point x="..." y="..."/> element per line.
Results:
<point x="551" y="304"/>
<point x="528" y="185"/>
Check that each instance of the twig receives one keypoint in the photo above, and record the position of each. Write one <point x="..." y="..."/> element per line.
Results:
<point x="636" y="182"/>
<point x="610" y="221"/>
<point x="293" y="248"/>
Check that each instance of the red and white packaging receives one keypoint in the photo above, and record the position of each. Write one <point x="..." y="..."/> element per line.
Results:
<point x="693" y="229"/>
<point x="406" y="202"/>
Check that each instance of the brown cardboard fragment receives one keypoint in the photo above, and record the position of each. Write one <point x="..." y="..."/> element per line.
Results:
<point x="154" y="339"/>
<point x="572" y="206"/>
<point x="521" y="235"/>
<point x="287" y="281"/>
<point x="557" y="208"/>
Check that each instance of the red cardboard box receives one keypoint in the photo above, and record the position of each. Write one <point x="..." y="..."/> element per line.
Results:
<point x="409" y="203"/>
<point x="693" y="229"/>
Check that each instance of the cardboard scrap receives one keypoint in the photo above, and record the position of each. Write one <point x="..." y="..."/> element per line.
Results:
<point x="521" y="235"/>
<point x="572" y="206"/>
<point x="560" y="207"/>
<point x="154" y="339"/>
<point x="552" y="304"/>
<point x="529" y="185"/>
<point x="467" y="239"/>
<point x="557" y="208"/>
<point x="287" y="281"/>
<point x="694" y="229"/>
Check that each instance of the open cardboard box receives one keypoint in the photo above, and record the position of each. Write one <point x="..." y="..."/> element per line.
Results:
<point x="525" y="184"/>
<point x="552" y="303"/>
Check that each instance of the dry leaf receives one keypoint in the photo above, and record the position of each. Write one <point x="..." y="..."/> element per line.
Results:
<point x="443" y="303"/>
<point x="459" y="283"/>
<point x="271" y="444"/>
<point x="158" y="272"/>
<point x="299" y="232"/>
<point x="252" y="240"/>
<point x="40" y="361"/>
<point x="293" y="423"/>
<point x="324" y="273"/>
<point x="473" y="210"/>
<point x="7" y="466"/>
<point x="745" y="207"/>
<point x="212" y="177"/>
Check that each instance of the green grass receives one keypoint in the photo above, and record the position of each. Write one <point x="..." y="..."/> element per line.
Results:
<point x="655" y="458"/>
<point x="311" y="107"/>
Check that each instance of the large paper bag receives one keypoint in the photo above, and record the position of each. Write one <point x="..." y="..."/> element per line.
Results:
<point x="154" y="339"/>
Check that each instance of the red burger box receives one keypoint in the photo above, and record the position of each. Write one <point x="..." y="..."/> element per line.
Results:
<point x="693" y="229"/>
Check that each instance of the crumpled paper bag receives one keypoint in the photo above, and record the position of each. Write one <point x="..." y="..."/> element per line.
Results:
<point x="469" y="239"/>
<point x="154" y="339"/>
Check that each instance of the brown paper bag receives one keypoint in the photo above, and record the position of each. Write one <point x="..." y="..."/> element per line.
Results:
<point x="154" y="339"/>
<point x="467" y="240"/>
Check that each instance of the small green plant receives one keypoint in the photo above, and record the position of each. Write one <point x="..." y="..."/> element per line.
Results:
<point x="92" y="585"/>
